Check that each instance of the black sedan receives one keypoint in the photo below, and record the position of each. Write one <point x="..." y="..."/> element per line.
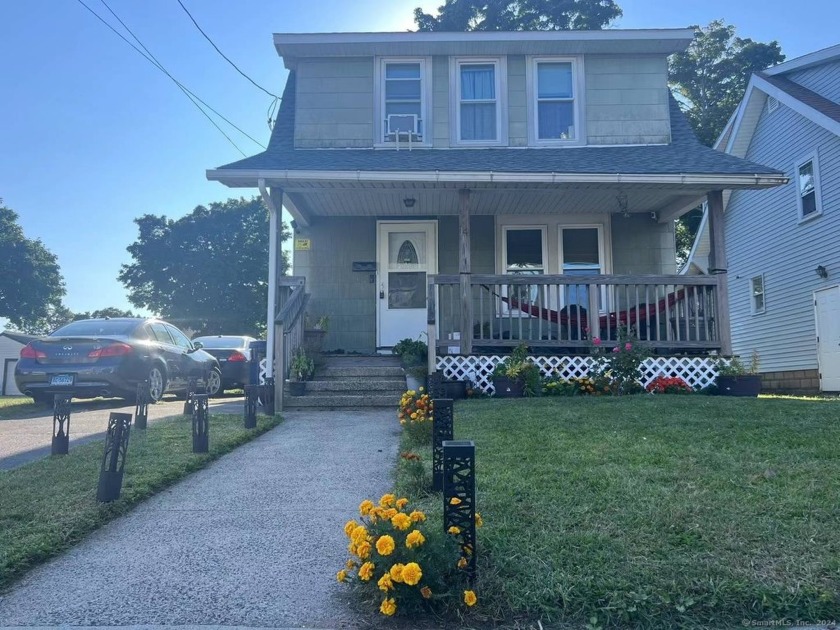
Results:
<point x="234" y="355"/>
<point x="110" y="357"/>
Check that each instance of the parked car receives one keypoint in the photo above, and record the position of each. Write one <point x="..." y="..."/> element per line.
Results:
<point x="110" y="357"/>
<point x="234" y="356"/>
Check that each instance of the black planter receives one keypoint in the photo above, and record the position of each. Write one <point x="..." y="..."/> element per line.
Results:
<point x="743" y="385"/>
<point x="508" y="388"/>
<point x="297" y="388"/>
<point x="454" y="389"/>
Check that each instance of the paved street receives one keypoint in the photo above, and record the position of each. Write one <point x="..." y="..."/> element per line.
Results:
<point x="28" y="439"/>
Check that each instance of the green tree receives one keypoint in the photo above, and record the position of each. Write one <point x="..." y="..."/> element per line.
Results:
<point x="207" y="271"/>
<point x="108" y="311"/>
<point x="518" y="15"/>
<point x="711" y="76"/>
<point x="31" y="285"/>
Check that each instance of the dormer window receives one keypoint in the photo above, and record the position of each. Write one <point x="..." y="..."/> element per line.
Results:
<point x="402" y="101"/>
<point x="555" y="100"/>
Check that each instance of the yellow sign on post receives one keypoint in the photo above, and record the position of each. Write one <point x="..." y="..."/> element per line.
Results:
<point x="303" y="244"/>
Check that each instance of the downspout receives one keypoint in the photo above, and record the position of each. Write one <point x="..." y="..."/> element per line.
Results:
<point x="272" y="278"/>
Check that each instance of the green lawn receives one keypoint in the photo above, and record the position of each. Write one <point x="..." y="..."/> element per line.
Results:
<point x="15" y="406"/>
<point x="49" y="505"/>
<point x="667" y="511"/>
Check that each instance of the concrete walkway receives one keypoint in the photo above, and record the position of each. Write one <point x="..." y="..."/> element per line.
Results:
<point x="253" y="540"/>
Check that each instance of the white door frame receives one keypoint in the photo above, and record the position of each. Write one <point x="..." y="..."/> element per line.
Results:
<point x="383" y="227"/>
<point x="821" y="367"/>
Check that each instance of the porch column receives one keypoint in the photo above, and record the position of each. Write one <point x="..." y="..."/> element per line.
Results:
<point x="464" y="269"/>
<point x="718" y="267"/>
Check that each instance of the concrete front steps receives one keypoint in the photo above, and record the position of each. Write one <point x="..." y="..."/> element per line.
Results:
<point x="352" y="382"/>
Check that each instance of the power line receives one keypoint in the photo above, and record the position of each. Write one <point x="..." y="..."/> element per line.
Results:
<point x="225" y="57"/>
<point x="187" y="92"/>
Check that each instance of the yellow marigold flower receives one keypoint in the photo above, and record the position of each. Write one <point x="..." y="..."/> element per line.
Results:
<point x="365" y="507"/>
<point x="455" y="501"/>
<point x="478" y="520"/>
<point x="462" y="563"/>
<point x="426" y="592"/>
<point x="396" y="572"/>
<point x="350" y="565"/>
<point x="412" y="573"/>
<point x="401" y="503"/>
<point x="385" y="545"/>
<point x="366" y="571"/>
<point x="363" y="550"/>
<point x="387" y="500"/>
<point x="417" y="516"/>
<point x="414" y="539"/>
<point x="401" y="521"/>
<point x="358" y="534"/>
<point x="388" y="607"/>
<point x="469" y="598"/>
<point x="389" y="513"/>
<point x="349" y="527"/>
<point x="414" y="416"/>
<point x="351" y="547"/>
<point x="385" y="583"/>
<point x="454" y="530"/>
<point x="341" y="576"/>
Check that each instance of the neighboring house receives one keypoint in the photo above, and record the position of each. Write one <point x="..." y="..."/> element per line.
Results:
<point x="783" y="245"/>
<point x="10" y="345"/>
<point x="491" y="188"/>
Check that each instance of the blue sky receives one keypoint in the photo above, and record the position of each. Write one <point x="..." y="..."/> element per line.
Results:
<point x="92" y="136"/>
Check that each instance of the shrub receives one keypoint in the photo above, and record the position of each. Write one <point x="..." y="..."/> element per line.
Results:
<point x="620" y="366"/>
<point x="398" y="563"/>
<point x="415" y="415"/>
<point x="517" y="366"/>
<point x="669" y="385"/>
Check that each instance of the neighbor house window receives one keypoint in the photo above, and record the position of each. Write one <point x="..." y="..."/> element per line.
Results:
<point x="555" y="100"/>
<point x="806" y="175"/>
<point x="479" y="101"/>
<point x="757" y="295"/>
<point x="403" y="102"/>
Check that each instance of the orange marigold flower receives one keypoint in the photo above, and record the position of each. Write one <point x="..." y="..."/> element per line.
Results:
<point x="366" y="571"/>
<point x="385" y="583"/>
<point x="469" y="598"/>
<point x="389" y="513"/>
<point x="387" y="500"/>
<point x="401" y="503"/>
<point x="341" y="576"/>
<point x="401" y="521"/>
<point x="412" y="573"/>
<point x="385" y="545"/>
<point x="359" y="534"/>
<point x="363" y="550"/>
<point x="388" y="607"/>
<point x="365" y="507"/>
<point x="349" y="527"/>
<point x="396" y="572"/>
<point x="414" y="539"/>
<point x="417" y="516"/>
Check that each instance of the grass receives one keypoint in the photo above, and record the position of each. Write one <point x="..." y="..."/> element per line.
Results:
<point x="49" y="505"/>
<point x="15" y="406"/>
<point x="659" y="512"/>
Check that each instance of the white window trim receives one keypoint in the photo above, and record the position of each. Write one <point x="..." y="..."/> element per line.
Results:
<point x="606" y="263"/>
<point x="579" y="96"/>
<point x="425" y="100"/>
<point x="504" y="310"/>
<point x="813" y="158"/>
<point x="753" y="309"/>
<point x="455" y="64"/>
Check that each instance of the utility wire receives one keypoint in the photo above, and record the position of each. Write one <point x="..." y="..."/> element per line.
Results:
<point x="225" y="57"/>
<point x="187" y="92"/>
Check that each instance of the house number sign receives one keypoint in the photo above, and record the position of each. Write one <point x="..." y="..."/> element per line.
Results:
<point x="303" y="244"/>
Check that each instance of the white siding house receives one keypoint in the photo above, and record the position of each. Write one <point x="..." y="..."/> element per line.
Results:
<point x="783" y="244"/>
<point x="10" y="345"/>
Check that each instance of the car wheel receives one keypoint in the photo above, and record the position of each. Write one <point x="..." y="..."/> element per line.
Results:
<point x="157" y="383"/>
<point x="214" y="383"/>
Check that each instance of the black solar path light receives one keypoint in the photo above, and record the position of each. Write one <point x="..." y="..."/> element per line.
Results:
<point x="200" y="424"/>
<point x="443" y="427"/>
<point x="141" y="408"/>
<point x="251" y="395"/>
<point x="268" y="396"/>
<point x="459" y="497"/>
<point x="192" y="384"/>
<point x="113" y="460"/>
<point x="61" y="424"/>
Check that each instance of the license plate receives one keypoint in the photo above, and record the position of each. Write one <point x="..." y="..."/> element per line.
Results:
<point x="62" y="380"/>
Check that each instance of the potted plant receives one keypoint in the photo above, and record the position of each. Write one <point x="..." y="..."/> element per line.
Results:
<point x="517" y="375"/>
<point x="314" y="331"/>
<point x="414" y="355"/>
<point x="737" y="379"/>
<point x="300" y="370"/>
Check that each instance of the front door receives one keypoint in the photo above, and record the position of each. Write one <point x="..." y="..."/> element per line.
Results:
<point x="827" y="307"/>
<point x="406" y="254"/>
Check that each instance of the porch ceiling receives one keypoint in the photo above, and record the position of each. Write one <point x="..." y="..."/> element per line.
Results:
<point x="387" y="199"/>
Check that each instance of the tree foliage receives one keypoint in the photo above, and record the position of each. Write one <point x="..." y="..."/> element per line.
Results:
<point x="207" y="271"/>
<point x="108" y="311"/>
<point x="31" y="285"/>
<point x="711" y="77"/>
<point x="518" y="15"/>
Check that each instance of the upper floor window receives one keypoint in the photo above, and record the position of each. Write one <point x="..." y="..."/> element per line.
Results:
<point x="555" y="100"/>
<point x="757" y="295"/>
<point x="806" y="174"/>
<point x="480" y="101"/>
<point x="402" y="103"/>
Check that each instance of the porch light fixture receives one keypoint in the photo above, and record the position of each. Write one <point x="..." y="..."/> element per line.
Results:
<point x="822" y="272"/>
<point x="409" y="202"/>
<point x="621" y="199"/>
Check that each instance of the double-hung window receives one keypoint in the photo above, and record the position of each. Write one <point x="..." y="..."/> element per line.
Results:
<point x="757" y="295"/>
<point x="806" y="174"/>
<point x="555" y="101"/>
<point x="479" y="107"/>
<point x="402" y="103"/>
<point x="524" y="254"/>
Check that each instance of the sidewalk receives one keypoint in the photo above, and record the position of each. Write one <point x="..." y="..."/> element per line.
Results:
<point x="253" y="540"/>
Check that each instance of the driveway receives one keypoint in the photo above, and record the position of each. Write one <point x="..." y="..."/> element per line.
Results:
<point x="27" y="439"/>
<point x="253" y="540"/>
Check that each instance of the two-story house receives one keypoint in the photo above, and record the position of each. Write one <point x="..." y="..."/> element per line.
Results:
<point x="783" y="244"/>
<point x="489" y="188"/>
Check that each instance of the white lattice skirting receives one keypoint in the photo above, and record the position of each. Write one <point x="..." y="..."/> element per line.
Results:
<point x="699" y="372"/>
